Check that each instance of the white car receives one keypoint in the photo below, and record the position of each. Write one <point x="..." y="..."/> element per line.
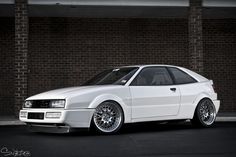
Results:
<point x="125" y="95"/>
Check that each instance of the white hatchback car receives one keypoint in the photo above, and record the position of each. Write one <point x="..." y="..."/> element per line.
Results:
<point x="125" y="95"/>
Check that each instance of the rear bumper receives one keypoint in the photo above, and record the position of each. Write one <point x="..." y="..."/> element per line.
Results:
<point x="73" y="118"/>
<point x="217" y="105"/>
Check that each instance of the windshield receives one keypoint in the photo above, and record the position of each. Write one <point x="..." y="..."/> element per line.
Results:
<point x="118" y="76"/>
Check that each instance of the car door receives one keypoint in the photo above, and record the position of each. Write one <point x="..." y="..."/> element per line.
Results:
<point x="154" y="94"/>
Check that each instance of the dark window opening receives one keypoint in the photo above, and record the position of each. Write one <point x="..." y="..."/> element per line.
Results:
<point x="153" y="76"/>
<point x="119" y="76"/>
<point x="181" y="77"/>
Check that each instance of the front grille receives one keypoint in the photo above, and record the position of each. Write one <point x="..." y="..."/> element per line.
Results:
<point x="41" y="104"/>
<point x="32" y="115"/>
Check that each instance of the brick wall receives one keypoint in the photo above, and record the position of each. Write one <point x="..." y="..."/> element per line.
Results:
<point x="21" y="53"/>
<point x="6" y="66"/>
<point x="68" y="51"/>
<point x="219" y="38"/>
<point x="195" y="36"/>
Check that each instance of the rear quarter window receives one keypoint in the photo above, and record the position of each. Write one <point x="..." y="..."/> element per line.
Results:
<point x="181" y="77"/>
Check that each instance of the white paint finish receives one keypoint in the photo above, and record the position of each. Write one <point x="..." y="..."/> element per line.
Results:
<point x="190" y="92"/>
<point x="62" y="93"/>
<point x="139" y="103"/>
<point x="90" y="97"/>
<point x="98" y="94"/>
<point x="112" y="2"/>
<point x="217" y="105"/>
<point x="154" y="101"/>
<point x="78" y="118"/>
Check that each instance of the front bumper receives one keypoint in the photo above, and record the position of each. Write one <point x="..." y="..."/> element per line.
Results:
<point x="69" y="118"/>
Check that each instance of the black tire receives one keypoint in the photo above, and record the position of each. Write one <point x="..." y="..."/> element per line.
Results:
<point x="108" y="118"/>
<point x="205" y="114"/>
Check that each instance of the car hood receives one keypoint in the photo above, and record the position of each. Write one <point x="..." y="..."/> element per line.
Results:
<point x="63" y="93"/>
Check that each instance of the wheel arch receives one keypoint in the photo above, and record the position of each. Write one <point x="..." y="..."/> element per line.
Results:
<point x="110" y="97"/>
<point x="200" y="98"/>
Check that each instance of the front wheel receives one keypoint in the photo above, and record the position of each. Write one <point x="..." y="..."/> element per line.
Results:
<point x="108" y="117"/>
<point x="205" y="113"/>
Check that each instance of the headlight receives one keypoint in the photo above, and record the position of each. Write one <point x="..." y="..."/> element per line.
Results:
<point x="57" y="103"/>
<point x="27" y="104"/>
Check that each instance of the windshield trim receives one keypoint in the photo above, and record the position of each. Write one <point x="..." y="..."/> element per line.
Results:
<point x="134" y="76"/>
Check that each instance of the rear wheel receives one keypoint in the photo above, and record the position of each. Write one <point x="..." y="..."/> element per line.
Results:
<point x="205" y="113"/>
<point x="108" y="117"/>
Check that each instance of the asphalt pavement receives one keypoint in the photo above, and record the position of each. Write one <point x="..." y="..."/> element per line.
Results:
<point x="139" y="140"/>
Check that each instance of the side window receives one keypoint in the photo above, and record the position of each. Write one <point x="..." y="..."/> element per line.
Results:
<point x="152" y="76"/>
<point x="181" y="77"/>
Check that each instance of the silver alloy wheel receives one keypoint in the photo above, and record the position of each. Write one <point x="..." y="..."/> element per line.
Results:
<point x="108" y="117"/>
<point x="207" y="112"/>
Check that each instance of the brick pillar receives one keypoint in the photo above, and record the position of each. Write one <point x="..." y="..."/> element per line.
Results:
<point x="195" y="36"/>
<point x="21" y="52"/>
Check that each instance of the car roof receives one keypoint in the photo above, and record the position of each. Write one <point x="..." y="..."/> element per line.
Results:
<point x="149" y="65"/>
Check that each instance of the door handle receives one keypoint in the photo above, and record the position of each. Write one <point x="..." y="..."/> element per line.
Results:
<point x="173" y="89"/>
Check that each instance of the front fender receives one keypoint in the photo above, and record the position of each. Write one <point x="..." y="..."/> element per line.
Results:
<point x="124" y="103"/>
